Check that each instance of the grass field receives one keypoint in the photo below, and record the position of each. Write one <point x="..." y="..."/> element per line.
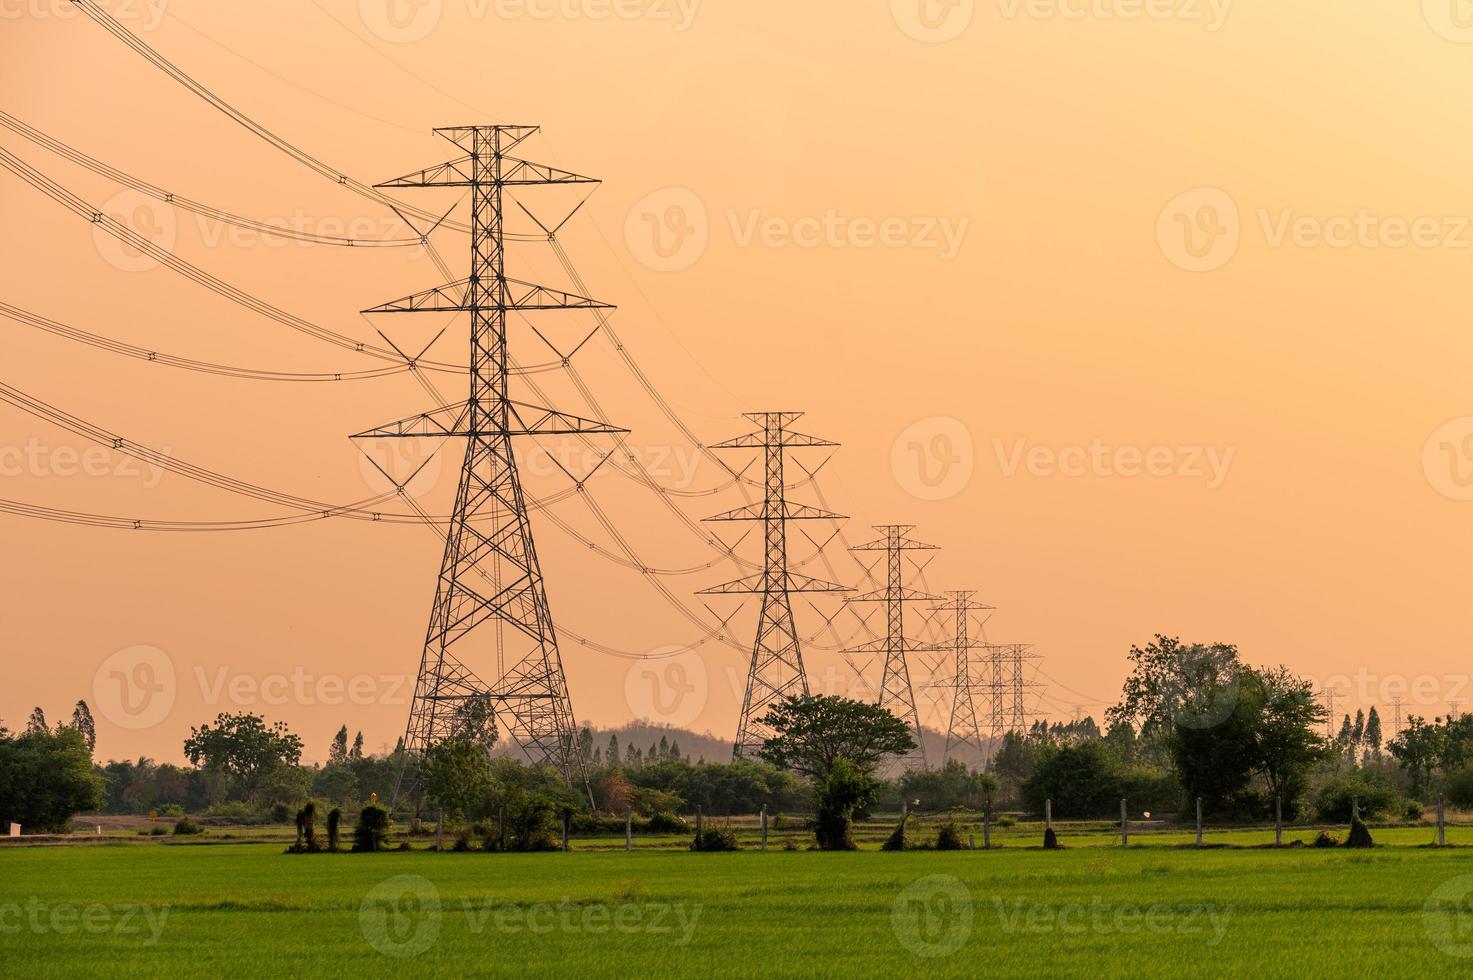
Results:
<point x="1153" y="909"/>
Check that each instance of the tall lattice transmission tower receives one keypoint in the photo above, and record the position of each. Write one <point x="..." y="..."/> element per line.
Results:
<point x="490" y="614"/>
<point x="961" y="674"/>
<point x="1007" y="686"/>
<point x="896" y="691"/>
<point x="777" y="657"/>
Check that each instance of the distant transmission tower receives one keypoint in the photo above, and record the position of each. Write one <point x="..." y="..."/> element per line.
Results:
<point x="1396" y="725"/>
<point x="896" y="692"/>
<point x="1018" y="655"/>
<point x="777" y="658"/>
<point x="962" y="727"/>
<point x="490" y="578"/>
<point x="1330" y="694"/>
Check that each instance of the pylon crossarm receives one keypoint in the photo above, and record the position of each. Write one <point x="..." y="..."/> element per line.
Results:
<point x="758" y="440"/>
<point x="550" y="422"/>
<point x="768" y="510"/>
<point x="455" y="297"/>
<point x="903" y="595"/>
<point x="442" y="422"/>
<point x="461" y="173"/>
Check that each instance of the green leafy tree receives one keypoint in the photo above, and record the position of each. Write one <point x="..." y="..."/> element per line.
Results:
<point x="1083" y="780"/>
<point x="37" y="721"/>
<point x="951" y="785"/>
<point x="337" y="754"/>
<point x="1373" y="732"/>
<point x="83" y="723"/>
<point x="244" y="748"/>
<point x="812" y="732"/>
<point x="457" y="776"/>
<point x="1286" y="742"/>
<point x="1419" y="750"/>
<point x="356" y="752"/>
<point x="844" y="790"/>
<point x="46" y="778"/>
<point x="1173" y="684"/>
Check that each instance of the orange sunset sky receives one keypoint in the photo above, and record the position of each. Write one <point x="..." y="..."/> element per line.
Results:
<point x="1151" y="315"/>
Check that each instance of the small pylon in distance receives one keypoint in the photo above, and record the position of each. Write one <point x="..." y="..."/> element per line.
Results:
<point x="776" y="670"/>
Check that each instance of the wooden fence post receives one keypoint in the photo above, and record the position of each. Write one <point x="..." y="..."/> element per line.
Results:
<point x="764" y="826"/>
<point x="987" y="826"/>
<point x="567" y="820"/>
<point x="1441" y="825"/>
<point x="1199" y="821"/>
<point x="1278" y="821"/>
<point x="1124" y="826"/>
<point x="629" y="828"/>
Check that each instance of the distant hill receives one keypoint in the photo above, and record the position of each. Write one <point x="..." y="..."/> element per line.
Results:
<point x="696" y="746"/>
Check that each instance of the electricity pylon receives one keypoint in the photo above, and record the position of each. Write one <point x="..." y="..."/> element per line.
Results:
<point x="490" y="582"/>
<point x="1006" y="709"/>
<point x="962" y="727"/>
<point x="777" y="656"/>
<point x="896" y="692"/>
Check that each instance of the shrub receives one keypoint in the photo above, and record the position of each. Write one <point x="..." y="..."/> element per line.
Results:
<point x="307" y="829"/>
<point x="1326" y="839"/>
<point x="1083" y="780"/>
<point x="949" y="837"/>
<point x="1050" y="840"/>
<point x="1360" y="835"/>
<point x="280" y="813"/>
<point x="1460" y="789"/>
<point x="334" y="825"/>
<point x="532" y="824"/>
<point x="170" y="810"/>
<point x="1412" y="810"/>
<point x="667" y="823"/>
<point x="1377" y="797"/>
<point x="372" y="832"/>
<point x="899" y="839"/>
<point x="847" y="789"/>
<point x="237" y="812"/>
<point x="715" y="839"/>
<point x="158" y="831"/>
<point x="187" y="828"/>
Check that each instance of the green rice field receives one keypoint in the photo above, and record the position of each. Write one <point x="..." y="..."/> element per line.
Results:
<point x="1160" y="907"/>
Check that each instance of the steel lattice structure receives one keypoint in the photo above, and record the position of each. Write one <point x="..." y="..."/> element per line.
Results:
<point x="490" y="593"/>
<point x="962" y="727"/>
<point x="1006" y="686"/>
<point x="776" y="670"/>
<point x="896" y="692"/>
